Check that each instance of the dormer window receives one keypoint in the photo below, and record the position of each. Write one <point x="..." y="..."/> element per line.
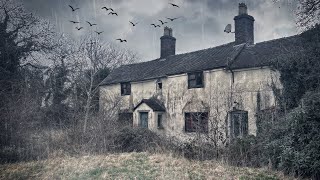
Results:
<point x="195" y="80"/>
<point x="125" y="89"/>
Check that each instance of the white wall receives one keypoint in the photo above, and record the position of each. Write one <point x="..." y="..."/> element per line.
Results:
<point x="217" y="96"/>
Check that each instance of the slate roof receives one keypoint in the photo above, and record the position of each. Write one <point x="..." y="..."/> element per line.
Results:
<point x="154" y="104"/>
<point x="227" y="55"/>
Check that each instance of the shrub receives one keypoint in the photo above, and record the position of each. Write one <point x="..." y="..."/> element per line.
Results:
<point x="244" y="152"/>
<point x="294" y="142"/>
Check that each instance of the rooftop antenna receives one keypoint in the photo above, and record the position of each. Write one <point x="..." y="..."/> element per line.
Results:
<point x="228" y="28"/>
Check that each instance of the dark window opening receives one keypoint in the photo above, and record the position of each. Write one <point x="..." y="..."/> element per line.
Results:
<point x="238" y="123"/>
<point x="160" y="126"/>
<point x="125" y="89"/>
<point x="195" y="80"/>
<point x="159" y="85"/>
<point x="196" y="122"/>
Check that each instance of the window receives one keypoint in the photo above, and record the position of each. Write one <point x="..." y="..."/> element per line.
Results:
<point x="160" y="126"/>
<point x="238" y="123"/>
<point x="196" y="122"/>
<point x="195" y="80"/>
<point x="125" y="89"/>
<point x="159" y="85"/>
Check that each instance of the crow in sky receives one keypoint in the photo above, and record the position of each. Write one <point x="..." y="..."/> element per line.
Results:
<point x="133" y="24"/>
<point x="162" y="22"/>
<point x="174" y="5"/>
<point x="107" y="9"/>
<point x="79" y="28"/>
<point x="73" y="9"/>
<point x="172" y="19"/>
<point x="98" y="32"/>
<point x="122" y="40"/>
<point x="113" y="13"/>
<point x="155" y="25"/>
<point x="91" y="23"/>
<point x="74" y="22"/>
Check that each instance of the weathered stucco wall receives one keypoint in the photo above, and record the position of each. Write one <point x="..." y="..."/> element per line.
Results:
<point x="221" y="89"/>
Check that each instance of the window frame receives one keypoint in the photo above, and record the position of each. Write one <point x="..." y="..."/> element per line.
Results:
<point x="191" y="117"/>
<point x="125" y="88"/>
<point x="243" y="124"/>
<point x="197" y="75"/>
<point x="160" y="123"/>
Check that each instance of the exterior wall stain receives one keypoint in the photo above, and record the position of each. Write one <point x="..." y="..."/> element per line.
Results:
<point x="221" y="92"/>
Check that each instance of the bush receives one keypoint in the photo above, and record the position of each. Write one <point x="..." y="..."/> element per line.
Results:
<point x="244" y="152"/>
<point x="131" y="139"/>
<point x="294" y="142"/>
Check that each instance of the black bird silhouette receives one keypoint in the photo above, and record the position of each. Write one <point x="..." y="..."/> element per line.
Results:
<point x="113" y="13"/>
<point x="133" y="24"/>
<point x="107" y="9"/>
<point x="91" y="23"/>
<point x="172" y="19"/>
<point x="74" y="22"/>
<point x="79" y="28"/>
<point x="154" y="25"/>
<point x="174" y="5"/>
<point x="98" y="32"/>
<point x="162" y="22"/>
<point x="122" y="40"/>
<point x="73" y="9"/>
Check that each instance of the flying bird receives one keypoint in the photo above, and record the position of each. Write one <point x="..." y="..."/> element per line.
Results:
<point x="91" y="23"/>
<point x="162" y="22"/>
<point x="79" y="28"/>
<point x="155" y="25"/>
<point x="122" y="40"/>
<point x="133" y="24"/>
<point x="174" y="5"/>
<point x="113" y="13"/>
<point x="74" y="22"/>
<point x="73" y="9"/>
<point x="107" y="9"/>
<point x="172" y="19"/>
<point x="98" y="32"/>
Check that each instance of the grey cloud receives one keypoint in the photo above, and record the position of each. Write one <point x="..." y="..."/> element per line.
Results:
<point x="200" y="26"/>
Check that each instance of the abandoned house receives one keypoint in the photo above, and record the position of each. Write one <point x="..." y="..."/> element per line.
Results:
<point x="216" y="89"/>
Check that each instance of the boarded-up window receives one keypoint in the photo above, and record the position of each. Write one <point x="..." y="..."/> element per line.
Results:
<point x="196" y="122"/>
<point x="195" y="80"/>
<point x="125" y="89"/>
<point x="238" y="123"/>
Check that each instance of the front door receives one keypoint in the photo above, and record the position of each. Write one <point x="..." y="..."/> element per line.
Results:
<point x="144" y="119"/>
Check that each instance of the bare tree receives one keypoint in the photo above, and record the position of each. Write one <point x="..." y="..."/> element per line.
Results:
<point x="96" y="58"/>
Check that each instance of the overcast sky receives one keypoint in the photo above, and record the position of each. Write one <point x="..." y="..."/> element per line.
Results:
<point x="200" y="25"/>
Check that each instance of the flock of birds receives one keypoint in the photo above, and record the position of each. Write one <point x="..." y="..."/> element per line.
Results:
<point x="112" y="12"/>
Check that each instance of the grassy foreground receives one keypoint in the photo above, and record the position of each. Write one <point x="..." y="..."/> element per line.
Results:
<point x="130" y="166"/>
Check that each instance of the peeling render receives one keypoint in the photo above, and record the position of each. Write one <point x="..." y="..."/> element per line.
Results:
<point x="222" y="89"/>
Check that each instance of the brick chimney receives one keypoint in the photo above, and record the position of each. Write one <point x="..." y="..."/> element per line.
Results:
<point x="244" y="26"/>
<point x="168" y="43"/>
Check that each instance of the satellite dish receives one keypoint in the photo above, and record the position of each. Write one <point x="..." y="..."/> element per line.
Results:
<point x="228" y="28"/>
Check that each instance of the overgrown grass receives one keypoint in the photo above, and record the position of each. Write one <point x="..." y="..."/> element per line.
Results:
<point x="131" y="166"/>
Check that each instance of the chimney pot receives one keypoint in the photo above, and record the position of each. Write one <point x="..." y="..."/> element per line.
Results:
<point x="243" y="9"/>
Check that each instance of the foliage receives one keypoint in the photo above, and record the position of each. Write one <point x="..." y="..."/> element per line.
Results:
<point x="300" y="73"/>
<point x="244" y="152"/>
<point x="294" y="143"/>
